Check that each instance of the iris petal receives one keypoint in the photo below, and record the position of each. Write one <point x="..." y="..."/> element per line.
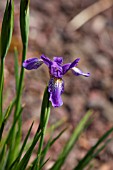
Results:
<point x="74" y="63"/>
<point x="58" y="60"/>
<point x="78" y="72"/>
<point x="56" y="88"/>
<point x="46" y="60"/>
<point x="32" y="63"/>
<point x="68" y="66"/>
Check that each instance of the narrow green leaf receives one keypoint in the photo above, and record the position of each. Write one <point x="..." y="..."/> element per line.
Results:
<point x="1" y="89"/>
<point x="16" y="146"/>
<point x="10" y="140"/>
<point x="3" y="158"/>
<point x="50" y="143"/>
<point x="24" y="20"/>
<point x="23" y="163"/>
<point x="7" y="27"/>
<point x="0" y="45"/>
<point x="58" y="136"/>
<point x="33" y="166"/>
<point x="89" y="154"/>
<point x="24" y="27"/>
<point x="10" y="134"/>
<point x="44" y="118"/>
<point x="43" y="164"/>
<point x="14" y="164"/>
<point x="101" y="147"/>
<point x="6" y="34"/>
<point x="16" y="66"/>
<point x="6" y="116"/>
<point x="93" y="155"/>
<point x="69" y="145"/>
<point x="45" y="106"/>
<point x="56" y="125"/>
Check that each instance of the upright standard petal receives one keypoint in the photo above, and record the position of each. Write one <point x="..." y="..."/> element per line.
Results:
<point x="78" y="72"/>
<point x="58" y="60"/>
<point x="32" y="63"/>
<point x="68" y="66"/>
<point x="46" y="60"/>
<point x="56" y="88"/>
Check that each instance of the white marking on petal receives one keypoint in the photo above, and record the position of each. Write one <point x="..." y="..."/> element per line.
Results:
<point x="78" y="72"/>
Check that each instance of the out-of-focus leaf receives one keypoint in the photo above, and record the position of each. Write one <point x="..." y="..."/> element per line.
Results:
<point x="11" y="141"/>
<point x="16" y="66"/>
<point x="93" y="152"/>
<point x="50" y="143"/>
<point x="24" y="20"/>
<point x="14" y="164"/>
<point x="69" y="145"/>
<point x="6" y="116"/>
<point x="5" y="39"/>
<point x="44" y="117"/>
<point x="43" y="164"/>
<point x="3" y="158"/>
<point x="23" y="163"/>
<point x="44" y="108"/>
<point x="7" y="27"/>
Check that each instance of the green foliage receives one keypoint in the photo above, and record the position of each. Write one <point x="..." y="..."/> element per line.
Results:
<point x="7" y="27"/>
<point x="44" y="117"/>
<point x="15" y="153"/>
<point x="23" y="163"/>
<point x="69" y="145"/>
<point x="24" y="20"/>
<point x="5" y="39"/>
<point x="16" y="66"/>
<point x="6" y="116"/>
<point x="94" y="151"/>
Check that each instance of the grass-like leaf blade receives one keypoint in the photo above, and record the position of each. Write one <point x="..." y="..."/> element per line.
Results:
<point x="7" y="27"/>
<point x="16" y="67"/>
<point x="23" y="163"/>
<point x="6" y="116"/>
<point x="24" y="20"/>
<point x="45" y="113"/>
<point x="50" y="143"/>
<point x="82" y="163"/>
<point x="14" y="164"/>
<point x="11" y="142"/>
<point x="69" y="145"/>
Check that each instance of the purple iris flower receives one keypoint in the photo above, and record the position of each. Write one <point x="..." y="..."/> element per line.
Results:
<point x="57" y="69"/>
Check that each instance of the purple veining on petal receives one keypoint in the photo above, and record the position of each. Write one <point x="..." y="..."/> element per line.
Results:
<point x="78" y="72"/>
<point x="58" y="60"/>
<point x="56" y="88"/>
<point x="46" y="60"/>
<point x="32" y="63"/>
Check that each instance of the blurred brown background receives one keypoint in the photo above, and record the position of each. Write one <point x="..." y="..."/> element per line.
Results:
<point x="71" y="29"/>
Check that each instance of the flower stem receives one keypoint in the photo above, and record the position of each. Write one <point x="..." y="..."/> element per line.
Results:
<point x="44" y="118"/>
<point x="19" y="91"/>
<point x="42" y="137"/>
<point x="1" y="88"/>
